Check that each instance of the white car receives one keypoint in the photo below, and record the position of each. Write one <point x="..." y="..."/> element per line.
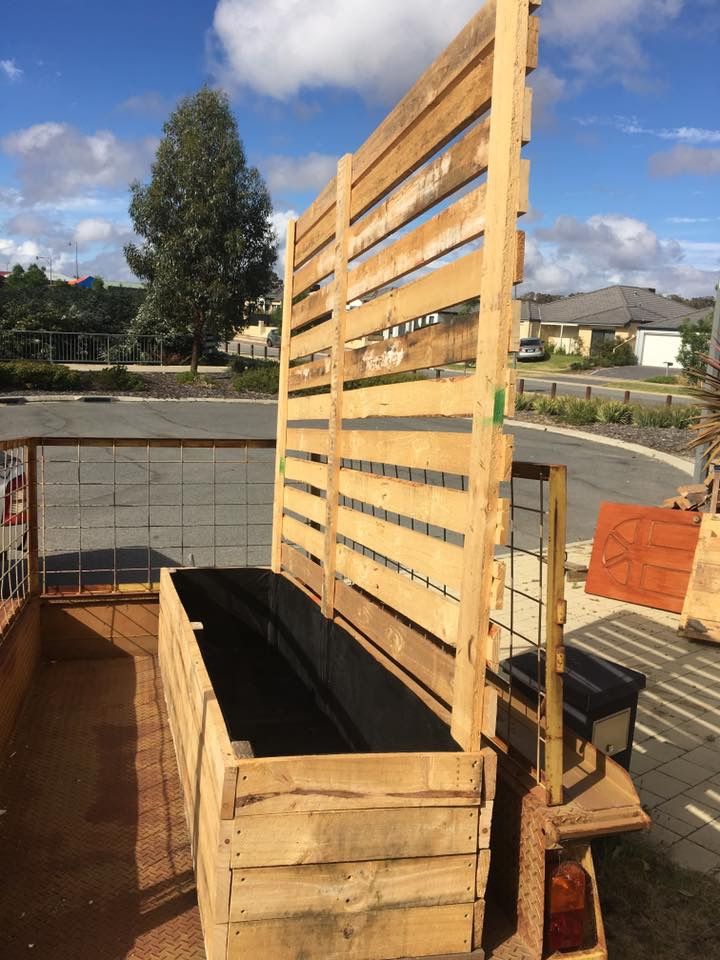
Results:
<point x="13" y="528"/>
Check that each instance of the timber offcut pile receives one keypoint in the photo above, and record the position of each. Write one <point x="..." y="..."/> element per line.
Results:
<point x="697" y="496"/>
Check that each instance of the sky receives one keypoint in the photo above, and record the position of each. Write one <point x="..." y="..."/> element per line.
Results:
<point x="625" y="156"/>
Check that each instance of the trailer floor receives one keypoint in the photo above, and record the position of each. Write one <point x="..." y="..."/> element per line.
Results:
<point x="94" y="853"/>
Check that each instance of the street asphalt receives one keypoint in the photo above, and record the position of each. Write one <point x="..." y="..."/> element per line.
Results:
<point x="596" y="472"/>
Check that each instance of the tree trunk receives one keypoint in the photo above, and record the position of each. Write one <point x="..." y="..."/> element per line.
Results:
<point x="198" y="337"/>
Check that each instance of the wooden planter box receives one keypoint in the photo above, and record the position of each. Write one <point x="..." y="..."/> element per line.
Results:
<point x="331" y="813"/>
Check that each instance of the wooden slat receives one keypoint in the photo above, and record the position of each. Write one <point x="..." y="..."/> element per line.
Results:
<point x="339" y="889"/>
<point x="426" y="555"/>
<point x="501" y="249"/>
<point x="434" y="346"/>
<point x="311" y="341"/>
<point x="282" y="401"/>
<point x="405" y="931"/>
<point x="424" y="450"/>
<point x="433" y="183"/>
<point x="305" y="504"/>
<point x="446" y="397"/>
<point x="359" y="782"/>
<point x="437" y="506"/>
<point x="304" y="536"/>
<point x="315" y="305"/>
<point x="700" y="619"/>
<point x="419" y="656"/>
<point x="436" y="181"/>
<point x="443" y="233"/>
<point x="337" y="371"/>
<point x="307" y="440"/>
<point x="306" y="471"/>
<point x="348" y="835"/>
<point x="449" y="285"/>
<point x="302" y="568"/>
<point x="442" y="74"/>
<point x="425" y="606"/>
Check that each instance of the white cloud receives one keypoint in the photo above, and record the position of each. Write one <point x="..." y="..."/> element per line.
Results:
<point x="95" y="231"/>
<point x="575" y="255"/>
<point x="604" y="39"/>
<point x="57" y="161"/>
<point x="548" y="89"/>
<point x="280" y="220"/>
<point x="692" y="219"/>
<point x="632" y="126"/>
<point x="11" y="70"/>
<point x="277" y="47"/>
<point x="296" y="174"/>
<point x="684" y="159"/>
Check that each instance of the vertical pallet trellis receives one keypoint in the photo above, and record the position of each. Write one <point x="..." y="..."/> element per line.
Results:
<point x="440" y="182"/>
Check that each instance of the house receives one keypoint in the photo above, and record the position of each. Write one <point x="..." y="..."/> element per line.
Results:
<point x="649" y="322"/>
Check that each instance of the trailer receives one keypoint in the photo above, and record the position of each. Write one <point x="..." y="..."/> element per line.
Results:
<point x="359" y="771"/>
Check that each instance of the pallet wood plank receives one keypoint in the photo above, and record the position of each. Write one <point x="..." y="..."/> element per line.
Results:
<point x="337" y="372"/>
<point x="431" y="556"/>
<point x="435" y="505"/>
<point x="423" y="450"/>
<point x="306" y="471"/>
<point x="302" y="568"/>
<point x="404" y="931"/>
<point x="700" y="619"/>
<point x="348" y="889"/>
<point x="305" y="504"/>
<point x="349" y="835"/>
<point x="417" y="654"/>
<point x="424" y="606"/>
<point x="304" y="536"/>
<point x="358" y="782"/>
<point x="282" y="403"/>
<point x="501" y="250"/>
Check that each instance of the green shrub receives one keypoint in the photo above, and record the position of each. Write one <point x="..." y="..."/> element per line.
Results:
<point x="614" y="354"/>
<point x="550" y="349"/>
<point x="683" y="417"/>
<point x="578" y="411"/>
<point x="560" y="350"/>
<point x="115" y="378"/>
<point x="614" y="411"/>
<point x="261" y="378"/>
<point x="549" y="406"/>
<point x="662" y="379"/>
<point x="35" y="375"/>
<point x="646" y="416"/>
<point x="524" y="401"/>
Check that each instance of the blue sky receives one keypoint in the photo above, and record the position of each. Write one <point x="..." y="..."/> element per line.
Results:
<point x="625" y="182"/>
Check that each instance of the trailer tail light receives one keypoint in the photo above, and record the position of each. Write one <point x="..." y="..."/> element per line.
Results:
<point x="567" y="899"/>
<point x="15" y="502"/>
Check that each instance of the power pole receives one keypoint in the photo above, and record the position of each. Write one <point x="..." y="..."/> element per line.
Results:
<point x="714" y="354"/>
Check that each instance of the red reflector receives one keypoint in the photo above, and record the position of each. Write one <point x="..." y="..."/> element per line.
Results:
<point x="566" y="907"/>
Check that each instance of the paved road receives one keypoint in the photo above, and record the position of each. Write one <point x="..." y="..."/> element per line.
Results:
<point x="574" y="386"/>
<point x="596" y="472"/>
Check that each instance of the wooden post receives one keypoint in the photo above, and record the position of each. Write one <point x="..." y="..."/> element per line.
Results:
<point x="487" y="449"/>
<point x="521" y="386"/>
<point x="32" y="518"/>
<point x="555" y="615"/>
<point x="553" y="391"/>
<point x="588" y="393"/>
<point x="337" y="371"/>
<point x="668" y="400"/>
<point x="626" y="397"/>
<point x="284" y="361"/>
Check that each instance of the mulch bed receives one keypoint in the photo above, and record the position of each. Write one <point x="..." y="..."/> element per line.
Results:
<point x="666" y="439"/>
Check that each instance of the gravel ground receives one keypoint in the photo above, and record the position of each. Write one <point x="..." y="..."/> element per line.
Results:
<point x="666" y="439"/>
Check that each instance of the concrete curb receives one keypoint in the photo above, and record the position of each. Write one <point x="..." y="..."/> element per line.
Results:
<point x="686" y="466"/>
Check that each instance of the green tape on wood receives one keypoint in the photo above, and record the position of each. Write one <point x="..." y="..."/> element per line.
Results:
<point x="282" y="466"/>
<point x="499" y="408"/>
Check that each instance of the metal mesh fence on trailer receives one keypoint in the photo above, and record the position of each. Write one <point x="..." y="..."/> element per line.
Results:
<point x="14" y="513"/>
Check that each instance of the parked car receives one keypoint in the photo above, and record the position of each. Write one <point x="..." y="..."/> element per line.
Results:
<point x="273" y="337"/>
<point x="13" y="532"/>
<point x="531" y="348"/>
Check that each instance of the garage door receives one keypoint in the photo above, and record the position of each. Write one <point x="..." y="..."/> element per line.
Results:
<point x="659" y="349"/>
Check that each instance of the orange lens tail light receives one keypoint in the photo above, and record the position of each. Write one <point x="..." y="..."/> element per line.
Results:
<point x="566" y="907"/>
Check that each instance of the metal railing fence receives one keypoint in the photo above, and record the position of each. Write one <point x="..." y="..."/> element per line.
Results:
<point x="71" y="347"/>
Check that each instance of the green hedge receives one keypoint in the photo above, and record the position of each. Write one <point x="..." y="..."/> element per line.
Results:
<point x="577" y="411"/>
<point x="34" y="375"/>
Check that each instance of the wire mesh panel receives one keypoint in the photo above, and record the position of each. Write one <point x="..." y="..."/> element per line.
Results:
<point x="420" y="221"/>
<point x="16" y="470"/>
<point x="112" y="513"/>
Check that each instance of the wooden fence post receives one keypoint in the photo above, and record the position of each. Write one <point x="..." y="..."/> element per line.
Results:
<point x="553" y="391"/>
<point x="588" y="393"/>
<point x="31" y="511"/>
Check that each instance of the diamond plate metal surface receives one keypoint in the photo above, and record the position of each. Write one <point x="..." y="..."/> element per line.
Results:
<point x="94" y="852"/>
